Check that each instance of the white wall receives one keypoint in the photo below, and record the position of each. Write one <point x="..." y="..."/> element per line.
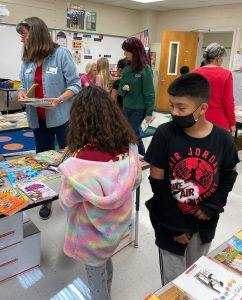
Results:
<point x="110" y="19"/>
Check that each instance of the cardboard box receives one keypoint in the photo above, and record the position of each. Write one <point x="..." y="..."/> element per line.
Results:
<point x="11" y="230"/>
<point x="22" y="256"/>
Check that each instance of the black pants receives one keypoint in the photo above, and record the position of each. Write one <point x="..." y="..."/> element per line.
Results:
<point x="45" y="137"/>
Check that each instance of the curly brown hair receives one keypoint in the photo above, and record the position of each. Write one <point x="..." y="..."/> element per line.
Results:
<point x="96" y="120"/>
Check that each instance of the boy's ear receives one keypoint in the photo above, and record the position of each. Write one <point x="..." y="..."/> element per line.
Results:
<point x="204" y="108"/>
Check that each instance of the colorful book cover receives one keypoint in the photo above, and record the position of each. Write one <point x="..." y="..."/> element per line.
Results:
<point x="37" y="191"/>
<point x="206" y="279"/>
<point x="23" y="176"/>
<point x="51" y="156"/>
<point x="10" y="202"/>
<point x="47" y="174"/>
<point x="231" y="256"/>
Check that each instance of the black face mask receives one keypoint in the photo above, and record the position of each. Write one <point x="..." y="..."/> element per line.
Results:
<point x="185" y="121"/>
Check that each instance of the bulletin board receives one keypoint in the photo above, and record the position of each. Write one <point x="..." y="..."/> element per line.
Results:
<point x="83" y="46"/>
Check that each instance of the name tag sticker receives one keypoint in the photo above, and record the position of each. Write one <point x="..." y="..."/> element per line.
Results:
<point x="27" y="71"/>
<point x="138" y="75"/>
<point x="51" y="70"/>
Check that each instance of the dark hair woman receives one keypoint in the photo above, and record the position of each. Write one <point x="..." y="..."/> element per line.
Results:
<point x="52" y="70"/>
<point x="136" y="87"/>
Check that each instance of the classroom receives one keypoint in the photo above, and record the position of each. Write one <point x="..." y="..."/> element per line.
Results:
<point x="120" y="149"/>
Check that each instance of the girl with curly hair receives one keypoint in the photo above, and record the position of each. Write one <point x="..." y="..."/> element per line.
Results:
<point x="97" y="184"/>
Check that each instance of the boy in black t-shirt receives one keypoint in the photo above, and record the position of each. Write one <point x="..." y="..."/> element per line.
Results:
<point x="192" y="172"/>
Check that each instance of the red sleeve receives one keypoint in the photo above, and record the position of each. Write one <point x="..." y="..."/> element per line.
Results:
<point x="228" y="99"/>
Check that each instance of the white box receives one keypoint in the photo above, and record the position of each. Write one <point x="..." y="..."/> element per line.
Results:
<point x="11" y="230"/>
<point x="23" y="256"/>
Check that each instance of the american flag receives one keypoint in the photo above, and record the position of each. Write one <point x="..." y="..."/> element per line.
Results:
<point x="144" y="37"/>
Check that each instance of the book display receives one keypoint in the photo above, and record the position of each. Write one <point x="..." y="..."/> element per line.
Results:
<point x="216" y="277"/>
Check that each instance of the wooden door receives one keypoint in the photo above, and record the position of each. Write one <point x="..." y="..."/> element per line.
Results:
<point x="178" y="48"/>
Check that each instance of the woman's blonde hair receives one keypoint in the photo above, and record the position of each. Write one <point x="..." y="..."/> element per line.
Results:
<point x="103" y="70"/>
<point x="89" y="66"/>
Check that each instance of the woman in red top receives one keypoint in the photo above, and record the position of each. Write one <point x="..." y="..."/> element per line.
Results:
<point x="221" y="102"/>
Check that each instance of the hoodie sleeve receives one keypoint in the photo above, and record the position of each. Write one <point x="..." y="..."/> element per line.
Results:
<point x="68" y="197"/>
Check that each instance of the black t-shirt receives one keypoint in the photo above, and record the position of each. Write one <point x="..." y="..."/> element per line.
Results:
<point x="192" y="164"/>
<point x="120" y="98"/>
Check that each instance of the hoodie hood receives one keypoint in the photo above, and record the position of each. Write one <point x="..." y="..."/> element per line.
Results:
<point x="98" y="198"/>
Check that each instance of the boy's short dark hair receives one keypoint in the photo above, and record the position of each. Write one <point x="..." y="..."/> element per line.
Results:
<point x="193" y="86"/>
<point x="122" y="63"/>
<point x="184" y="70"/>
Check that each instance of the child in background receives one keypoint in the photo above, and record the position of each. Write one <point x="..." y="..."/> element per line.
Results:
<point x="122" y="63"/>
<point x="184" y="70"/>
<point x="192" y="172"/>
<point x="91" y="73"/>
<point x="97" y="184"/>
<point x="103" y="74"/>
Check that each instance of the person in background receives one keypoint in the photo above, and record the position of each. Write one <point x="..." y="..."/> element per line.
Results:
<point x="90" y="76"/>
<point x="221" y="102"/>
<point x="122" y="63"/>
<point x="192" y="172"/>
<point x="97" y="184"/>
<point x="53" y="69"/>
<point x="136" y="87"/>
<point x="184" y="70"/>
<point x="104" y="78"/>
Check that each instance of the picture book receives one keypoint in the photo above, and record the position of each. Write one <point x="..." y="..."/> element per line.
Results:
<point x="37" y="191"/>
<point x="48" y="174"/>
<point x="173" y="293"/>
<point x="23" y="176"/>
<point x="1" y="181"/>
<point x="231" y="256"/>
<point x="18" y="164"/>
<point x="10" y="202"/>
<point x="36" y="102"/>
<point x="206" y="279"/>
<point x="51" y="156"/>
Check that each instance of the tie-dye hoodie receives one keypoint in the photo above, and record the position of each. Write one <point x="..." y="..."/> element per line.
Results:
<point x="98" y="199"/>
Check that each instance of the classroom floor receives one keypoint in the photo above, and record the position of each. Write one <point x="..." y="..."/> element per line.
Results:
<point x="136" y="270"/>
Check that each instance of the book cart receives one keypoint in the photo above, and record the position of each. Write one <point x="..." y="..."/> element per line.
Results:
<point x="217" y="276"/>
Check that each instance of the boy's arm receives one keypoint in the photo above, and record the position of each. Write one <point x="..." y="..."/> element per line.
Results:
<point x="227" y="177"/>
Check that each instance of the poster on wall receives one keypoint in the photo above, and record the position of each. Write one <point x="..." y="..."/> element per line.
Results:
<point x="91" y="20"/>
<point x="77" y="57"/>
<point x="75" y="16"/>
<point x="61" y="38"/>
<point x="77" y="44"/>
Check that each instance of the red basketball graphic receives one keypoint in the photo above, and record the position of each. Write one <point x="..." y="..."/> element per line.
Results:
<point x="195" y="170"/>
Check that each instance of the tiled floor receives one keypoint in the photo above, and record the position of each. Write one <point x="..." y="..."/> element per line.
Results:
<point x="136" y="271"/>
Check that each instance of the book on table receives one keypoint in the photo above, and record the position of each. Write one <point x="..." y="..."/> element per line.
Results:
<point x="11" y="202"/>
<point x="206" y="279"/>
<point x="36" y="102"/>
<point x="231" y="255"/>
<point x="37" y="191"/>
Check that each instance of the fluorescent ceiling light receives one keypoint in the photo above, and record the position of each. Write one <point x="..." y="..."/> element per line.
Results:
<point x="147" y="1"/>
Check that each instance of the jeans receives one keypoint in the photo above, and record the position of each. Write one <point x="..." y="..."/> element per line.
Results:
<point x="45" y="137"/>
<point x="135" y="118"/>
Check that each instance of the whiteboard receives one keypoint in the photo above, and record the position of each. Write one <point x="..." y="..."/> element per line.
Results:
<point x="11" y="49"/>
<point x="94" y="47"/>
<point x="10" y="52"/>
